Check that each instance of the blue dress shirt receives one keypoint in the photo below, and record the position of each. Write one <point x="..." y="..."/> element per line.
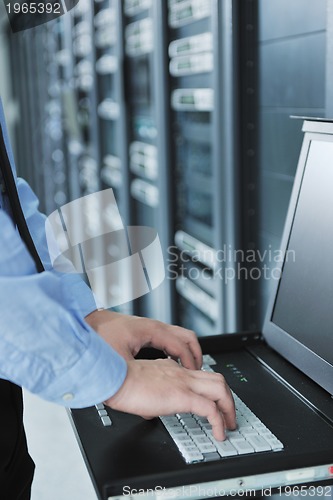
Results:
<point x="45" y="344"/>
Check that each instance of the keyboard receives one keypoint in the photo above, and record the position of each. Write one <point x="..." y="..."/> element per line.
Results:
<point x="194" y="438"/>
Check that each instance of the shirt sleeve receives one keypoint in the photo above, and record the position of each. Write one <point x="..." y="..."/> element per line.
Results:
<point x="45" y="344"/>
<point x="73" y="284"/>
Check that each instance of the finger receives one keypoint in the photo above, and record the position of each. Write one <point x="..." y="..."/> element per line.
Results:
<point x="227" y="406"/>
<point x="190" y="338"/>
<point x="180" y="351"/>
<point x="175" y="347"/>
<point x="205" y="408"/>
<point x="183" y="344"/>
<point x="177" y="342"/>
<point x="214" y="387"/>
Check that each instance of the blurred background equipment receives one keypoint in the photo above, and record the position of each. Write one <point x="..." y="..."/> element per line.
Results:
<point x="182" y="108"/>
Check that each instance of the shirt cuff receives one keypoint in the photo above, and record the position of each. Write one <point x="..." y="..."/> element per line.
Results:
<point x="97" y="376"/>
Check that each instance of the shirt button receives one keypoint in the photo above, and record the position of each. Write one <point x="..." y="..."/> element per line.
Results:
<point x="68" y="396"/>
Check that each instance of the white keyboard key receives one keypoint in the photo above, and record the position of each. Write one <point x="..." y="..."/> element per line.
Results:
<point x="259" y="443"/>
<point x="225" y="449"/>
<point x="242" y="446"/>
<point x="234" y="434"/>
<point x="206" y="427"/>
<point x="182" y="437"/>
<point x="190" y="448"/>
<point x="177" y="431"/>
<point x="201" y="440"/>
<point x="274" y="443"/>
<point x="195" y="432"/>
<point x="193" y="457"/>
<point x="247" y="431"/>
<point x="183" y="415"/>
<point x="207" y="359"/>
<point x="186" y="446"/>
<point x="201" y="420"/>
<point x="259" y="425"/>
<point x="241" y="421"/>
<point x="209" y="433"/>
<point x="209" y="457"/>
<point x="207" y="448"/>
<point x="169" y="420"/>
<point x="106" y="421"/>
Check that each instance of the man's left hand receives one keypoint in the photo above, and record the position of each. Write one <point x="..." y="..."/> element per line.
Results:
<point x="128" y="334"/>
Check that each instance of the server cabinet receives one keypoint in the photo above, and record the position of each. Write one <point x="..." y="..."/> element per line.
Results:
<point x="112" y="140"/>
<point x="53" y="138"/>
<point x="85" y="89"/>
<point x="203" y="99"/>
<point x="107" y="42"/>
<point x="144" y="34"/>
<point x="18" y="47"/>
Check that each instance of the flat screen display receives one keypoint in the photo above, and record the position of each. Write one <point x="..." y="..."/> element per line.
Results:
<point x="304" y="302"/>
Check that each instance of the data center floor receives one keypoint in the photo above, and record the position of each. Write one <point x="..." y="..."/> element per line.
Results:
<point x="60" y="470"/>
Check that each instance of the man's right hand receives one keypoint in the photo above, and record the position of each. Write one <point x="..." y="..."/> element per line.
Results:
<point x="163" y="387"/>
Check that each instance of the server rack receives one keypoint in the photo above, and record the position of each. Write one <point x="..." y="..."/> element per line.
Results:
<point x="17" y="59"/>
<point x="146" y="93"/>
<point x="53" y="140"/>
<point x="144" y="62"/>
<point x="203" y="63"/>
<point x="85" y="90"/>
<point x="111" y="127"/>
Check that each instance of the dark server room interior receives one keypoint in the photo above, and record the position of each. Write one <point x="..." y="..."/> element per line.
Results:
<point x="183" y="109"/>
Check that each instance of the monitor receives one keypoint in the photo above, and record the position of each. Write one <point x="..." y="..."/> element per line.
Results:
<point x="299" y="322"/>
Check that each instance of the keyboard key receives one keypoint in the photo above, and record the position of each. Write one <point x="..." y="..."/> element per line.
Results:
<point x="242" y="446"/>
<point x="177" y="431"/>
<point x="225" y="449"/>
<point x="259" y="425"/>
<point x="106" y="421"/>
<point x="169" y="420"/>
<point x="247" y="431"/>
<point x="188" y="421"/>
<point x="209" y="434"/>
<point x="208" y="360"/>
<point x="190" y="448"/>
<point x="193" y="457"/>
<point x="201" y="440"/>
<point x="210" y="457"/>
<point x="207" y="368"/>
<point x="207" y="448"/>
<point x="195" y="432"/>
<point x="182" y="437"/>
<point x="202" y="420"/>
<point x="234" y="435"/>
<point x="274" y="443"/>
<point x="258" y="443"/>
<point x="184" y="415"/>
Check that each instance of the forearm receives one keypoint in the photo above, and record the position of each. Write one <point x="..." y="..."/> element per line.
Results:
<point x="44" y="346"/>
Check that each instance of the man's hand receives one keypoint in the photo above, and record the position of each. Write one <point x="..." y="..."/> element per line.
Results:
<point x="128" y="334"/>
<point x="162" y="387"/>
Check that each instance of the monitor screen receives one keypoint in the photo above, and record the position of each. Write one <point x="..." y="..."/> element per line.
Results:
<point x="304" y="302"/>
<point x="299" y="321"/>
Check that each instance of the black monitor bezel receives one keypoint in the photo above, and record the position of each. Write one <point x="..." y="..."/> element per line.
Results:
<point x="310" y="363"/>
